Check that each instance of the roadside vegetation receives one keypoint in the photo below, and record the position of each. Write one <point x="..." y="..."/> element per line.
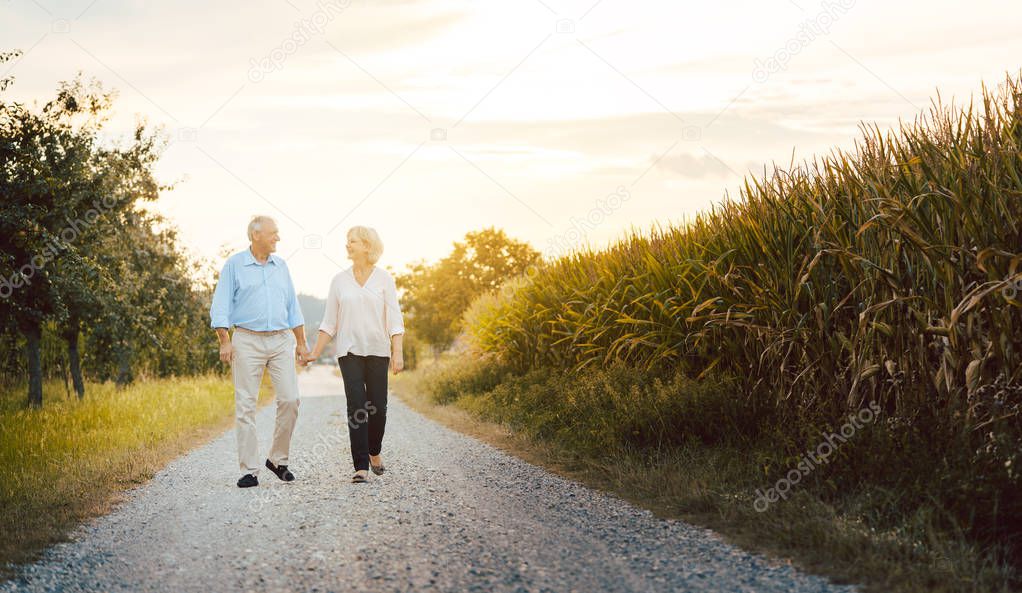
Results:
<point x="828" y="366"/>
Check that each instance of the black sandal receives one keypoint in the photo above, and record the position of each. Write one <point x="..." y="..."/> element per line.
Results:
<point x="358" y="479"/>
<point x="377" y="469"/>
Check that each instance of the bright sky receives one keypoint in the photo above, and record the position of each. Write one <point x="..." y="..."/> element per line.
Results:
<point x="428" y="119"/>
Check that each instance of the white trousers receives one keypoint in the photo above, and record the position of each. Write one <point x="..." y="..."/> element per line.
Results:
<point x="252" y="354"/>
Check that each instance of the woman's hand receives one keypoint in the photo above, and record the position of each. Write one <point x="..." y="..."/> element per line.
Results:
<point x="397" y="363"/>
<point x="322" y="339"/>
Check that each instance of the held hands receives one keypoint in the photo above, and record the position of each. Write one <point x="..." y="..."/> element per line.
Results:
<point x="306" y="358"/>
<point x="303" y="356"/>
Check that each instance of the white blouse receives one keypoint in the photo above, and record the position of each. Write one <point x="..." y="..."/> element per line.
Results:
<point x="362" y="319"/>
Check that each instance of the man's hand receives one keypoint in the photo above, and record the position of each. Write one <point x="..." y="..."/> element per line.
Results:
<point x="311" y="357"/>
<point x="397" y="364"/>
<point x="302" y="355"/>
<point x="226" y="352"/>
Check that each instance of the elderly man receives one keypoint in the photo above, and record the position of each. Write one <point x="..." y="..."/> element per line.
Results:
<point x="256" y="297"/>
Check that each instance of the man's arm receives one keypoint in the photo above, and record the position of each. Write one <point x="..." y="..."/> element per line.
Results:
<point x="220" y="311"/>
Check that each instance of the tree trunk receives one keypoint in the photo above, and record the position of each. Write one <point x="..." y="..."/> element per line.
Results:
<point x="62" y="366"/>
<point x="33" y="335"/>
<point x="124" y="374"/>
<point x="74" y="359"/>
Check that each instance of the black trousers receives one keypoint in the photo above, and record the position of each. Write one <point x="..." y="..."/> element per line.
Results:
<point x="365" y="388"/>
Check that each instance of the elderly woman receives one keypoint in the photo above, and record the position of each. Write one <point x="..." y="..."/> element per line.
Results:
<point x="364" y="319"/>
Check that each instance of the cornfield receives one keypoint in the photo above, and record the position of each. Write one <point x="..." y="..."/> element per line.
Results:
<point x="889" y="273"/>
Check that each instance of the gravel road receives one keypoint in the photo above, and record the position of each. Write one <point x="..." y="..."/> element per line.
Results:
<point x="451" y="514"/>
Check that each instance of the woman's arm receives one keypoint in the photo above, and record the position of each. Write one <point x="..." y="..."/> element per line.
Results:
<point x="397" y="357"/>
<point x="328" y="327"/>
<point x="322" y="339"/>
<point x="394" y="321"/>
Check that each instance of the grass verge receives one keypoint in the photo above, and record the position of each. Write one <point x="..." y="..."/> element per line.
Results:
<point x="69" y="461"/>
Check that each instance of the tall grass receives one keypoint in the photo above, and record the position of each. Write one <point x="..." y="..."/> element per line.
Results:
<point x="881" y="275"/>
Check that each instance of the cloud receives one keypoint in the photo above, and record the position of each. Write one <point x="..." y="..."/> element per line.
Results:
<point x="363" y="30"/>
<point x="692" y="166"/>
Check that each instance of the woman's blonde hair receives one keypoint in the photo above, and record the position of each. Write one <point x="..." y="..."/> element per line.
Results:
<point x="371" y="237"/>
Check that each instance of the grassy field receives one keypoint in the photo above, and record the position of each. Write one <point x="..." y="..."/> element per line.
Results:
<point x="68" y="461"/>
<point x="855" y="535"/>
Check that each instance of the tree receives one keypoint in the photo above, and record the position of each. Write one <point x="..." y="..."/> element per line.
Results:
<point x="157" y="312"/>
<point x="46" y="174"/>
<point x="89" y="279"/>
<point x="436" y="296"/>
<point x="78" y="253"/>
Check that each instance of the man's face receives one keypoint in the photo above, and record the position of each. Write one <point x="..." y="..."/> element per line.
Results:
<point x="265" y="239"/>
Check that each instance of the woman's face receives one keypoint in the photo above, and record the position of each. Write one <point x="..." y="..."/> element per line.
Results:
<point x="358" y="250"/>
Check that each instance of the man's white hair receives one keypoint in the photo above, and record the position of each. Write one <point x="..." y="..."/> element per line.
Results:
<point x="256" y="224"/>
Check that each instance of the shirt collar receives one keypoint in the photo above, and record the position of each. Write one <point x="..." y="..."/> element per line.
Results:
<point x="250" y="259"/>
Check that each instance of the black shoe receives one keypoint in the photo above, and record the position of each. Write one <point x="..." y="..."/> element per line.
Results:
<point x="281" y="470"/>
<point x="247" y="481"/>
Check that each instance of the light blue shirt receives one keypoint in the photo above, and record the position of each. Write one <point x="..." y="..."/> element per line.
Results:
<point x="259" y="297"/>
